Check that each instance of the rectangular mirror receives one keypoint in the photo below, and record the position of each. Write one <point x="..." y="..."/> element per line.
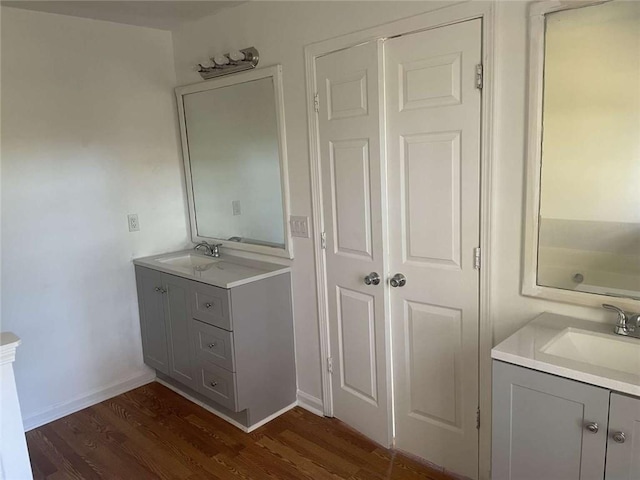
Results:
<point x="235" y="162"/>
<point x="583" y="229"/>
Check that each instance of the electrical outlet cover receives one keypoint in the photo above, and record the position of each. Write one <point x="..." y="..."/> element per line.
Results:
<point x="235" y="206"/>
<point x="134" y="225"/>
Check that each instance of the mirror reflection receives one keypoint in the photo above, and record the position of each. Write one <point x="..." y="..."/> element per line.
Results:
<point x="232" y="136"/>
<point x="589" y="231"/>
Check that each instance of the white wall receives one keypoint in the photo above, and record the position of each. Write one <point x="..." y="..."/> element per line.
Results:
<point x="89" y="134"/>
<point x="280" y="30"/>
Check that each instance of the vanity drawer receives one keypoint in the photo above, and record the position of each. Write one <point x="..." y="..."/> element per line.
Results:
<point x="212" y="345"/>
<point x="211" y="305"/>
<point x="218" y="384"/>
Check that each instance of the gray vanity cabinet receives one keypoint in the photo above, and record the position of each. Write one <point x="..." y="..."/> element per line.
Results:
<point x="547" y="427"/>
<point x="229" y="348"/>
<point x="623" y="444"/>
<point x="152" y="319"/>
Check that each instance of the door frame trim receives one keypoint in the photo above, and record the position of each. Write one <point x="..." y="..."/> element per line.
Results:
<point x="437" y="18"/>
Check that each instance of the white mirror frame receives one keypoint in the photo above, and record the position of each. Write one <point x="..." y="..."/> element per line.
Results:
<point x="530" y="285"/>
<point x="274" y="72"/>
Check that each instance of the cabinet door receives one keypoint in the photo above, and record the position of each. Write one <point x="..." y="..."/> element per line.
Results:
<point x="623" y="451"/>
<point x="152" y="320"/>
<point x="178" y="315"/>
<point x="540" y="426"/>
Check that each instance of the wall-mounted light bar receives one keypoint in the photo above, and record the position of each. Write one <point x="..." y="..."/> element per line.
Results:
<point x="232" y="62"/>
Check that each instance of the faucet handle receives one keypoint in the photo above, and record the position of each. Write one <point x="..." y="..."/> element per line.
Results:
<point x="622" y="315"/>
<point x="622" y="325"/>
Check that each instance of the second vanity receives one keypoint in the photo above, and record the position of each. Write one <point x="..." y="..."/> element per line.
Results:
<point x="220" y="331"/>
<point x="566" y="402"/>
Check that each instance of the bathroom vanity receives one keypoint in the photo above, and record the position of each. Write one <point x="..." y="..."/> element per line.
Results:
<point x="220" y="331"/>
<point x="566" y="402"/>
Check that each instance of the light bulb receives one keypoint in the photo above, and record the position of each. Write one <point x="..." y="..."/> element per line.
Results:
<point x="236" y="55"/>
<point x="221" y="60"/>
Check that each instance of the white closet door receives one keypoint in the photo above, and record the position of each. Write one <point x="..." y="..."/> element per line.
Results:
<point x="349" y="131"/>
<point x="433" y="155"/>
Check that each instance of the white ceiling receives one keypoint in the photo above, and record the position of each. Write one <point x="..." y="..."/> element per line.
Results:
<point x="165" y="15"/>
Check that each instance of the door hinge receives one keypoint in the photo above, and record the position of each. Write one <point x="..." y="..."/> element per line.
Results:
<point x="479" y="77"/>
<point x="323" y="240"/>
<point x="316" y="102"/>
<point x="478" y="418"/>
<point x="476" y="258"/>
<point x="330" y="365"/>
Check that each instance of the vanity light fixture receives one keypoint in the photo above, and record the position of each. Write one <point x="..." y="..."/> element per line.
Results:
<point x="232" y="62"/>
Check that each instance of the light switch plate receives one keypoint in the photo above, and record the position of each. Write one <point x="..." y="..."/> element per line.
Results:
<point x="299" y="226"/>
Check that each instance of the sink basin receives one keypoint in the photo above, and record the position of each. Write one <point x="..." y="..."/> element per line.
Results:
<point x="598" y="349"/>
<point x="196" y="262"/>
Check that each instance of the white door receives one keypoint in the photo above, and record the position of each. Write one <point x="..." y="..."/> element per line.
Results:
<point x="349" y="136"/>
<point x="433" y="155"/>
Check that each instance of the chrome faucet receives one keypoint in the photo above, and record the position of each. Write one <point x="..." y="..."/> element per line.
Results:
<point x="211" y="250"/>
<point x="628" y="324"/>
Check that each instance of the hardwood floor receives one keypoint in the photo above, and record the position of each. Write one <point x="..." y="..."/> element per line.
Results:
<point x="151" y="432"/>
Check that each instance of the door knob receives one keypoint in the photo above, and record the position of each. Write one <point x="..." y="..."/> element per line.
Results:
<point x="372" y="279"/>
<point x="398" y="280"/>
<point x="592" y="427"/>
<point x="619" y="437"/>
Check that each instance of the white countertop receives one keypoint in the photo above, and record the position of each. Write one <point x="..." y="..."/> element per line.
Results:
<point x="527" y="348"/>
<point x="227" y="272"/>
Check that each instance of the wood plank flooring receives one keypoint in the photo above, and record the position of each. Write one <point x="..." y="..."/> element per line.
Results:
<point x="153" y="433"/>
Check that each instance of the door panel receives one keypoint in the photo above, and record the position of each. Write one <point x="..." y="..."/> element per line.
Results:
<point x="433" y="335"/>
<point x="349" y="132"/>
<point x="351" y="197"/>
<point x="433" y="155"/>
<point x="623" y="458"/>
<point x="152" y="319"/>
<point x="539" y="426"/>
<point x="430" y="195"/>
<point x="430" y="82"/>
<point x="178" y="318"/>
<point x="356" y="339"/>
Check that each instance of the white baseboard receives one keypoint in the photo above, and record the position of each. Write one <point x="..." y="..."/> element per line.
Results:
<point x="271" y="417"/>
<point x="203" y="405"/>
<point x="66" y="408"/>
<point x="222" y="415"/>
<point x="310" y="403"/>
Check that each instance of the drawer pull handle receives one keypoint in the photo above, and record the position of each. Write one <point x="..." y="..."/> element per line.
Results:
<point x="160" y="290"/>
<point x="619" y="437"/>
<point x="214" y="384"/>
<point x="592" y="427"/>
<point x="212" y="345"/>
<point x="208" y="305"/>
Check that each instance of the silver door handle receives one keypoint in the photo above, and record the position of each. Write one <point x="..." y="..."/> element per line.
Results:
<point x="619" y="437"/>
<point x="592" y="427"/>
<point x="372" y="279"/>
<point x="398" y="280"/>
